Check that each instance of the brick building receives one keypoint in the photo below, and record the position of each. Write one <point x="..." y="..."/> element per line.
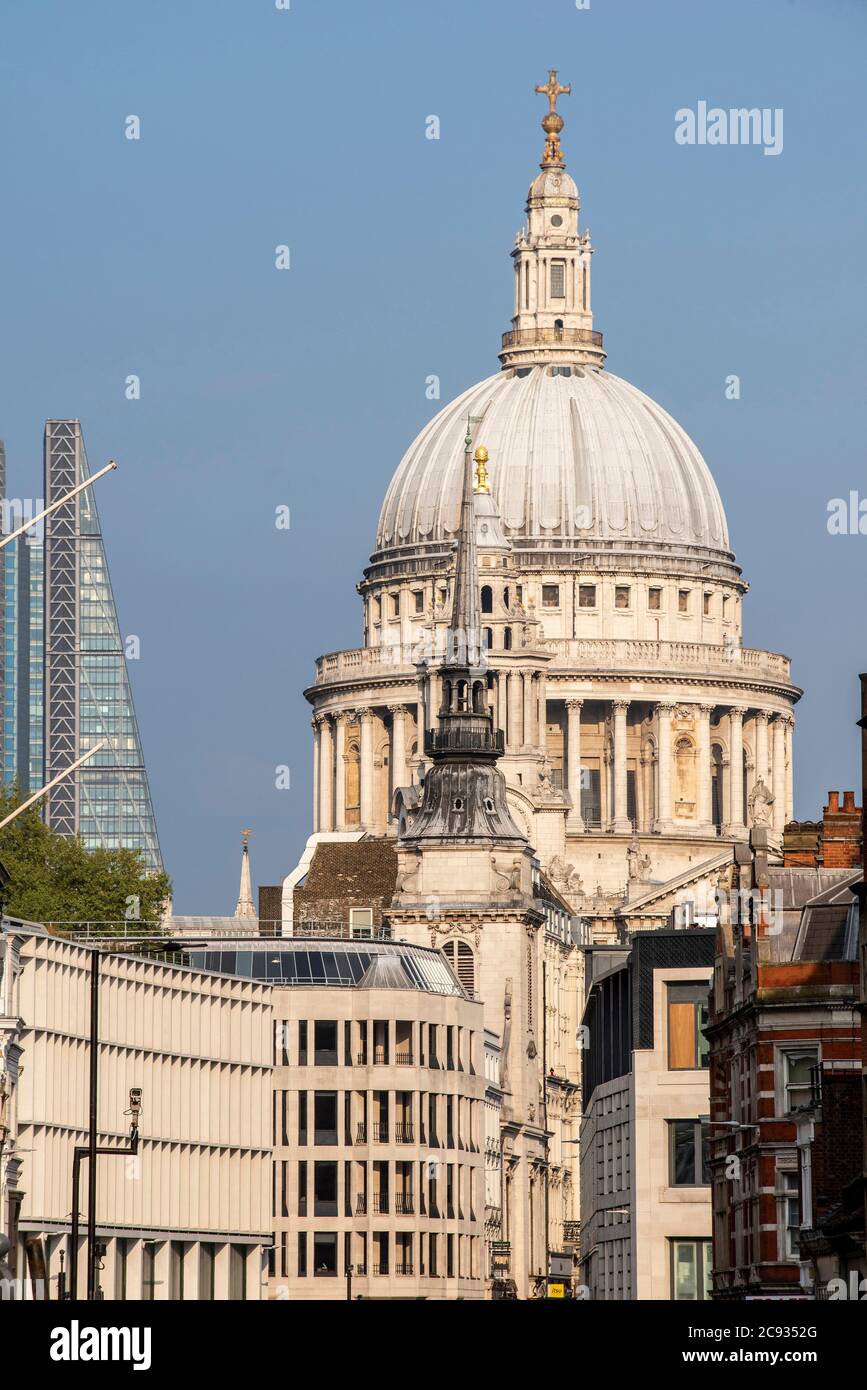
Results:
<point x="347" y="888"/>
<point x="785" y="1037"/>
<point x="834" y="842"/>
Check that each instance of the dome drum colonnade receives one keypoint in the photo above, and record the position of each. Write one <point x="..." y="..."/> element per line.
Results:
<point x="690" y="766"/>
<point x="611" y="600"/>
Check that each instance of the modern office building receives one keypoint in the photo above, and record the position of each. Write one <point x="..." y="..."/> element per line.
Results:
<point x="379" y="1124"/>
<point x="645" y="1185"/>
<point x="187" y="1216"/>
<point x="66" y="683"/>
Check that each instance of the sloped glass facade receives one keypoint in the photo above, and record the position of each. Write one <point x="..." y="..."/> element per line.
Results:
<point x="66" y="680"/>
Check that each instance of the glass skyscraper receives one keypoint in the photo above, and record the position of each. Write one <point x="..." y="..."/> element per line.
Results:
<point x="66" y="684"/>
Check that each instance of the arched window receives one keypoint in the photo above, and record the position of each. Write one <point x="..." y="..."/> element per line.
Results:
<point x="487" y="638"/>
<point x="487" y="599"/>
<point x="507" y="639"/>
<point x="462" y="961"/>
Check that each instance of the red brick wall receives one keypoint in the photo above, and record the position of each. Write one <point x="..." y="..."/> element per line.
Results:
<point x="837" y="1143"/>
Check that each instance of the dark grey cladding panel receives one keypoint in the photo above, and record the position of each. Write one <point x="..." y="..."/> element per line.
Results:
<point x="663" y="950"/>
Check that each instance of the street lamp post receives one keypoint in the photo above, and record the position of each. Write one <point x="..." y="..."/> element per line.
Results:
<point x="92" y="1150"/>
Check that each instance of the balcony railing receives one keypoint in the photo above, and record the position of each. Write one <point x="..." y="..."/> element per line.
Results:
<point x="361" y="1206"/>
<point x="403" y="1133"/>
<point x="460" y="740"/>
<point x="403" y="1267"/>
<point x="380" y="1269"/>
<point x="361" y="1134"/>
<point x="403" y="1059"/>
<point x="404" y="1204"/>
<point x="380" y="1056"/>
<point x="380" y="1202"/>
<point x="528" y="337"/>
<point x="361" y="1059"/>
<point x="380" y="1133"/>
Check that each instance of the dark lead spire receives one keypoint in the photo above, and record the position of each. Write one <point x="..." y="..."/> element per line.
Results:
<point x="464" y="641"/>
<point x="464" y="795"/>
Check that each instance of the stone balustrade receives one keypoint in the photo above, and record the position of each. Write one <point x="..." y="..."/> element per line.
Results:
<point x="590" y="654"/>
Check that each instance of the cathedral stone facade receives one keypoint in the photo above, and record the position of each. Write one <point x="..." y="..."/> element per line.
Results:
<point x="552" y="695"/>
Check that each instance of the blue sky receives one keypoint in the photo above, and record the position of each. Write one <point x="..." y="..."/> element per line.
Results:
<point x="262" y="388"/>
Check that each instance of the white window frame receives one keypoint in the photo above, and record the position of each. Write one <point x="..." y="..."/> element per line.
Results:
<point x="782" y="1051"/>
<point x="361" y="930"/>
<point x="787" y="1167"/>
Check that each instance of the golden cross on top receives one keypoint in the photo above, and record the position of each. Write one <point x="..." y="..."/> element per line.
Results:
<point x="552" y="90"/>
<point x="246" y="834"/>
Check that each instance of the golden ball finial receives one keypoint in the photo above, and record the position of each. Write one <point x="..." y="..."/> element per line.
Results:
<point x="481" y="455"/>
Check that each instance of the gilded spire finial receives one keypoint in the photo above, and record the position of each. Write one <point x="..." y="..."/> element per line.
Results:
<point x="245" y="835"/>
<point x="480" y="458"/>
<point x="553" y="123"/>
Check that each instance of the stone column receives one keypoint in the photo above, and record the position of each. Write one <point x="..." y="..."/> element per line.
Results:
<point x="541" y="691"/>
<point x="341" y="720"/>
<point x="366" y="717"/>
<point x="502" y="702"/>
<point x="514" y="740"/>
<point x="326" y="775"/>
<point x="398" y="746"/>
<point x="663" y="771"/>
<point x="736" y="773"/>
<point x="790" y="769"/>
<point x="314" y="724"/>
<point x="619" y="819"/>
<point x="573" y="762"/>
<point x="762" y="746"/>
<point x="421" y="717"/>
<point x="779" y="774"/>
<point x="529" y="717"/>
<point x="704" y="809"/>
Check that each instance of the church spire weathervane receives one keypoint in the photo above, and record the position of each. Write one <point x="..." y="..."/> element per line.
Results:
<point x="553" y="123"/>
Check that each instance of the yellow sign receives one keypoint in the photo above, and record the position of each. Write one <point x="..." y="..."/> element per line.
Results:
<point x="556" y="1290"/>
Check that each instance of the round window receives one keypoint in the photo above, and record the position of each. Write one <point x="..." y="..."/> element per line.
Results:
<point x="556" y="220"/>
<point x="459" y="805"/>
